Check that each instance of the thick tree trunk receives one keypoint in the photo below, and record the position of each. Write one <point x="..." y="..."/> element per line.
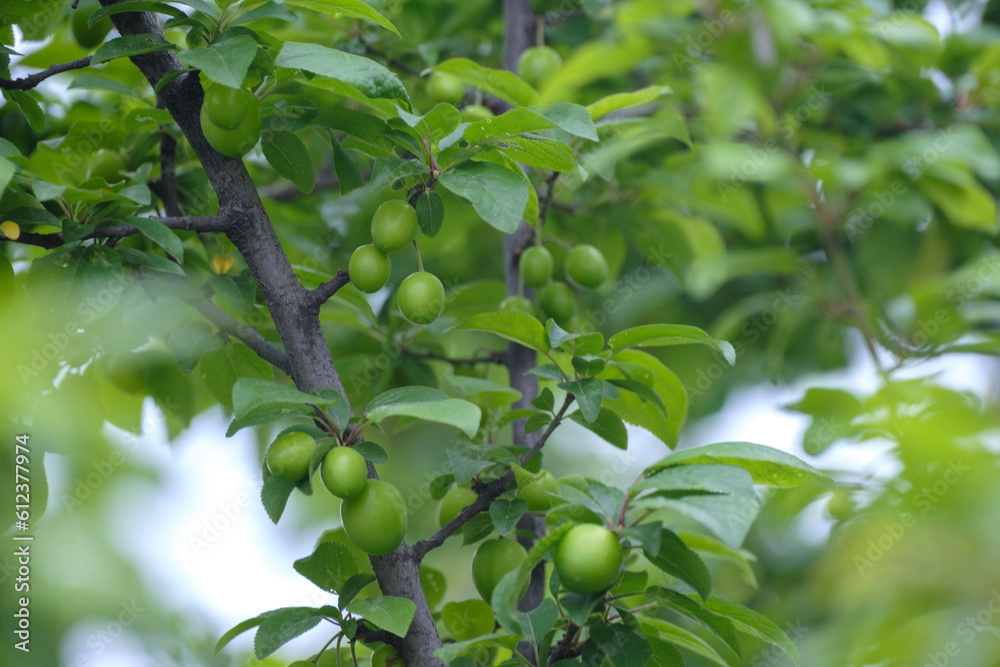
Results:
<point x="295" y="316"/>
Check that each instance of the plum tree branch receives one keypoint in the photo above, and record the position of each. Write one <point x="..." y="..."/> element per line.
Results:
<point x="264" y="348"/>
<point x="322" y="293"/>
<point x="489" y="491"/>
<point x="32" y="80"/>
<point x="205" y="224"/>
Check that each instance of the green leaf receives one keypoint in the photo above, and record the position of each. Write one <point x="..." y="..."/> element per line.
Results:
<point x="288" y="155"/>
<point x="959" y="195"/>
<point x="648" y="369"/>
<point x="513" y="325"/>
<point x="452" y="411"/>
<point x="465" y="468"/>
<point x="353" y="586"/>
<point x="388" y="612"/>
<point x="477" y="528"/>
<point x="589" y="395"/>
<point x="751" y="623"/>
<point x="537" y="622"/>
<point x="238" y="630"/>
<point x="387" y="171"/>
<point x="30" y="108"/>
<point x="224" y="61"/>
<point x="154" y="262"/>
<point x="352" y="8"/>
<point x="612" y="103"/>
<point x="678" y="560"/>
<point x="430" y="212"/>
<point x="469" y="619"/>
<point x="346" y="168"/>
<point x="505" y="85"/>
<point x="157" y="7"/>
<point x="497" y="194"/>
<point x="130" y="45"/>
<point x="682" y="604"/>
<point x="282" y="626"/>
<point x="506" y="513"/>
<point x="269" y="10"/>
<point x="766" y="465"/>
<point x="616" y="645"/>
<point x="369" y="77"/>
<point x="409" y="394"/>
<point x="330" y="566"/>
<point x="571" y="118"/>
<point x="541" y="153"/>
<point x="258" y="401"/>
<point x="608" y="426"/>
<point x="582" y="343"/>
<point x="678" y="636"/>
<point x="643" y="391"/>
<point x="499" y="394"/>
<point x="450" y="652"/>
<point x="159" y="234"/>
<point x="274" y="496"/>
<point x="190" y="342"/>
<point x="660" y="335"/>
<point x="6" y="173"/>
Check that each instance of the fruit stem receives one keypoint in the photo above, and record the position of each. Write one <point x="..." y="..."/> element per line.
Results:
<point x="420" y="261"/>
<point x="560" y="242"/>
<point x="540" y="31"/>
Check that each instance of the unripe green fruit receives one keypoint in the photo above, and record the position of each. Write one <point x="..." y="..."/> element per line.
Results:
<point x="421" y="297"/>
<point x="536" y="493"/>
<point x="558" y="302"/>
<point x="446" y="88"/>
<point x="386" y="656"/>
<point x="519" y="304"/>
<point x="841" y="505"/>
<point x="475" y="113"/>
<point x="394" y="225"/>
<point x="454" y="502"/>
<point x="537" y="65"/>
<point x="375" y="519"/>
<point x="494" y="559"/>
<point x="238" y="142"/>
<point x="586" y="266"/>
<point x="106" y="164"/>
<point x="85" y="36"/>
<point x="227" y="107"/>
<point x="536" y="266"/>
<point x="369" y="268"/>
<point x="288" y="456"/>
<point x="588" y="559"/>
<point x="344" y="472"/>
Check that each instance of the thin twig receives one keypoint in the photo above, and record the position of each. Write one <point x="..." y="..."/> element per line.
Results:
<point x="322" y="294"/>
<point x="488" y="492"/>
<point x="543" y="212"/>
<point x="193" y="223"/>
<point x="29" y="82"/>
<point x="166" y="187"/>
<point x="264" y="348"/>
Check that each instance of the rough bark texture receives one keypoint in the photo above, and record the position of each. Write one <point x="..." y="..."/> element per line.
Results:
<point x="295" y="314"/>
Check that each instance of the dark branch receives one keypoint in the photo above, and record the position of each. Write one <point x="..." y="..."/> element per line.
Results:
<point x="322" y="294"/>
<point x="264" y="348"/>
<point x="546" y="202"/>
<point x="564" y="649"/>
<point x="194" y="223"/>
<point x="166" y="187"/>
<point x="29" y="82"/>
<point x="488" y="492"/>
